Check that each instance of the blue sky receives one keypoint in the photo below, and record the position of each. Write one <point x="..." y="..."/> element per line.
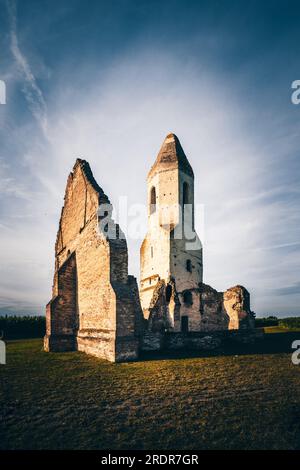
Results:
<point x="107" y="81"/>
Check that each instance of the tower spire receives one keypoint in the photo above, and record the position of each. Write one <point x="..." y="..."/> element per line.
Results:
<point x="171" y="156"/>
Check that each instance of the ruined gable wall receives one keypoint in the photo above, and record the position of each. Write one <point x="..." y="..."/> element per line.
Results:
<point x="106" y="304"/>
<point x="79" y="233"/>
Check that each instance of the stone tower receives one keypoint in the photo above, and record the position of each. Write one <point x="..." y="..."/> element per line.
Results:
<point x="171" y="253"/>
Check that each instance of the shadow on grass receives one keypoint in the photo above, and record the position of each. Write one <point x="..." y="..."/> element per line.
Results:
<point x="274" y="343"/>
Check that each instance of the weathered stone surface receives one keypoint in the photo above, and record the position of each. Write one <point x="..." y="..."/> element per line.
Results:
<point x="205" y="343"/>
<point x="201" y="341"/>
<point x="164" y="307"/>
<point x="216" y="310"/>
<point x="61" y="312"/>
<point x="95" y="306"/>
<point x="237" y="305"/>
<point x="213" y="314"/>
<point x="152" y="341"/>
<point x="171" y="156"/>
<point x="175" y="341"/>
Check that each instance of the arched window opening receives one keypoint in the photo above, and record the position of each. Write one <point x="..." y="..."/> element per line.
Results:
<point x="152" y="200"/>
<point x="187" y="298"/>
<point x="188" y="265"/>
<point x="168" y="293"/>
<point x="185" y="193"/>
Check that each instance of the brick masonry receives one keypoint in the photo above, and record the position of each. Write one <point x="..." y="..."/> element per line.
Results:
<point x="95" y="307"/>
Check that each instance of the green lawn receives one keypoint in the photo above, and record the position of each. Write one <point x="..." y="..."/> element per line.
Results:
<point x="71" y="400"/>
<point x="279" y="329"/>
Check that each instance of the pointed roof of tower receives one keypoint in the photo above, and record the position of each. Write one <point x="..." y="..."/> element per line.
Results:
<point x="171" y="155"/>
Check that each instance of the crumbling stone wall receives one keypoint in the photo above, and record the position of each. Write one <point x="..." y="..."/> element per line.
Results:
<point x="213" y="315"/>
<point x="107" y="318"/>
<point x="164" y="307"/>
<point x="211" y="310"/>
<point x="237" y="305"/>
<point x="229" y="310"/>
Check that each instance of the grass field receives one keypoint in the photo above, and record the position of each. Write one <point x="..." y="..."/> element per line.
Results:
<point x="71" y="400"/>
<point x="279" y="329"/>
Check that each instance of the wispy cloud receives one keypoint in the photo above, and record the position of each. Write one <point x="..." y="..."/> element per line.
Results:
<point x="10" y="186"/>
<point x="288" y="290"/>
<point x="31" y="90"/>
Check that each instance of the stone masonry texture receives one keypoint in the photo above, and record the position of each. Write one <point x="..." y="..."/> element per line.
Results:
<point x="95" y="306"/>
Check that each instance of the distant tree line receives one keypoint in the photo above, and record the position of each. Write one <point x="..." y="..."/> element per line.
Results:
<point x="289" y="322"/>
<point x="267" y="321"/>
<point x="18" y="327"/>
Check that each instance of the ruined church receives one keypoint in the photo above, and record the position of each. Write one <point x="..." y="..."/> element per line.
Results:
<point x="97" y="307"/>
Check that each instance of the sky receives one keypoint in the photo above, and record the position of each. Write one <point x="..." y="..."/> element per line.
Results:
<point x="107" y="81"/>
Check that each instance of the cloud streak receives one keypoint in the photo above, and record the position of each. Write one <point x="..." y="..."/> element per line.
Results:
<point x="289" y="290"/>
<point x="31" y="90"/>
